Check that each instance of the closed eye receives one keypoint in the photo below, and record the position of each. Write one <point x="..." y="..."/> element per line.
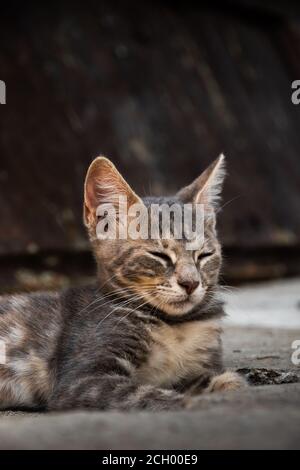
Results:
<point x="160" y="255"/>
<point x="204" y="255"/>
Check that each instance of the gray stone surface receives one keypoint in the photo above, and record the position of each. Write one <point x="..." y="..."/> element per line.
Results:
<point x="262" y="417"/>
<point x="269" y="304"/>
<point x="260" y="347"/>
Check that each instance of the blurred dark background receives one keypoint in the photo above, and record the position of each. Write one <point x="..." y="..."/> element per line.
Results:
<point x="162" y="88"/>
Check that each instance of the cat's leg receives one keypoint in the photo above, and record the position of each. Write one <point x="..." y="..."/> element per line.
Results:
<point x="27" y="342"/>
<point x="209" y="383"/>
<point x="115" y="392"/>
<point x="225" y="382"/>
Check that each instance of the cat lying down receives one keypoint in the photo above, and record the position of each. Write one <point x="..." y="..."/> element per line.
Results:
<point x="147" y="334"/>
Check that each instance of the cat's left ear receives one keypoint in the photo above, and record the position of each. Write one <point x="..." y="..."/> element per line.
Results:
<point x="104" y="185"/>
<point x="207" y="188"/>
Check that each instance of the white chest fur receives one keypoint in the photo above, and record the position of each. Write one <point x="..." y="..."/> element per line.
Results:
<point x="180" y="351"/>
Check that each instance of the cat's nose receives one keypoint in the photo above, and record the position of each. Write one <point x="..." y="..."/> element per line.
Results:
<point x="189" y="286"/>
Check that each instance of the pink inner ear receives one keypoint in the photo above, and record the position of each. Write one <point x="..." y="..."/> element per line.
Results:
<point x="104" y="184"/>
<point x="96" y="182"/>
<point x="90" y="195"/>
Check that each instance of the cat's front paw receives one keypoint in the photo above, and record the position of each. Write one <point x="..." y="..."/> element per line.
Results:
<point x="226" y="381"/>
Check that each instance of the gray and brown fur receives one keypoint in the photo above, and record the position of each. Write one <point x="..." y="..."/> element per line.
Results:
<point x="139" y="338"/>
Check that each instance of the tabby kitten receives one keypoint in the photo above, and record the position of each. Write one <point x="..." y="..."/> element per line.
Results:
<point x="146" y="335"/>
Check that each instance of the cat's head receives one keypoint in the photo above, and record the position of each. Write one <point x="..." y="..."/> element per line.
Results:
<point x="164" y="273"/>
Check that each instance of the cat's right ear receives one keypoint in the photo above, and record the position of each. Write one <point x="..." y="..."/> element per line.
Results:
<point x="206" y="189"/>
<point x="104" y="185"/>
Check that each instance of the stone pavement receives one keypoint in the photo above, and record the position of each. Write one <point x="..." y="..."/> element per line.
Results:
<point x="261" y="417"/>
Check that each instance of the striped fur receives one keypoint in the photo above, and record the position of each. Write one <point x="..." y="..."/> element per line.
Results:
<point x="134" y="339"/>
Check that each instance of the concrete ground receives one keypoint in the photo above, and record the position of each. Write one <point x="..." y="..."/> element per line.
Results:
<point x="264" y="322"/>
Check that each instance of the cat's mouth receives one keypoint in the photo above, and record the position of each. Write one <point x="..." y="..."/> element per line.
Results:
<point x="180" y="300"/>
<point x="175" y="305"/>
<point x="178" y="307"/>
<point x="171" y="302"/>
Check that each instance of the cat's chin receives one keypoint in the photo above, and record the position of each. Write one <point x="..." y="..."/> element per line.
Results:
<point x="184" y="306"/>
<point x="176" y="308"/>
